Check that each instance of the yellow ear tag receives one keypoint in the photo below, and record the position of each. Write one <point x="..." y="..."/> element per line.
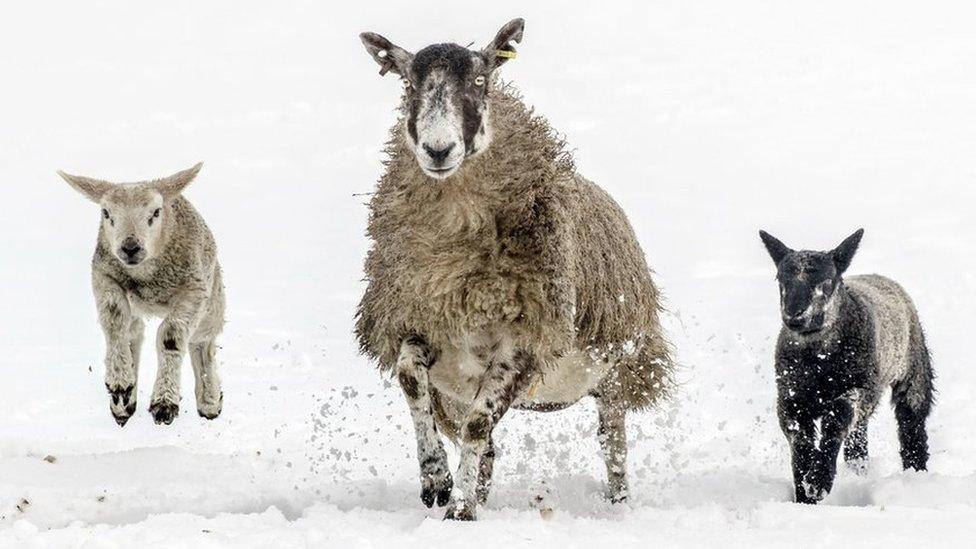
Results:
<point x="506" y="54"/>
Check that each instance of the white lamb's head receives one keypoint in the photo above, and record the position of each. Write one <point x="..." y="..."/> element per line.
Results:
<point x="447" y="87"/>
<point x="134" y="215"/>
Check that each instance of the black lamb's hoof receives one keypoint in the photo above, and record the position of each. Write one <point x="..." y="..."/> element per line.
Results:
<point x="460" y="510"/>
<point x="164" y="412"/>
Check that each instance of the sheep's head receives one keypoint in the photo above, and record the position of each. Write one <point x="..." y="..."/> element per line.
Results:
<point x="447" y="87"/>
<point x="133" y="215"/>
<point x="808" y="281"/>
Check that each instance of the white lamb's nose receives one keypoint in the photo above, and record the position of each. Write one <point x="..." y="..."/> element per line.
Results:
<point x="130" y="246"/>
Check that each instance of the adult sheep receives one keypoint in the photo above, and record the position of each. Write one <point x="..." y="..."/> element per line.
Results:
<point x="498" y="276"/>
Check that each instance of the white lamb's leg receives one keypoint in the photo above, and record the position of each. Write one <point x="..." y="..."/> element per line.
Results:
<point x="117" y="324"/>
<point x="210" y="398"/>
<point x="412" y="372"/>
<point x="172" y="341"/>
<point x="613" y="441"/>
<point x="502" y="383"/>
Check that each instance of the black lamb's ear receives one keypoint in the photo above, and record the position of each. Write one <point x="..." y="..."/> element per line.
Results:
<point x="844" y="254"/>
<point x="777" y="250"/>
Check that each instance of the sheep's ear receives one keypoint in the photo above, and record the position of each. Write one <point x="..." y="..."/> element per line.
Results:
<point x="93" y="189"/>
<point x="387" y="55"/>
<point x="777" y="250"/>
<point x="844" y="254"/>
<point x="501" y="49"/>
<point x="173" y="185"/>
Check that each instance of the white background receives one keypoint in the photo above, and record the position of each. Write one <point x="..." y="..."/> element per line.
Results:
<point x="705" y="120"/>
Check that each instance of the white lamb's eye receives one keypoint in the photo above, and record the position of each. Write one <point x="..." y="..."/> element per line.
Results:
<point x="479" y="80"/>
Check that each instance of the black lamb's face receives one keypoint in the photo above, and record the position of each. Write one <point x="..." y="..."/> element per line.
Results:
<point x="447" y="88"/>
<point x="808" y="281"/>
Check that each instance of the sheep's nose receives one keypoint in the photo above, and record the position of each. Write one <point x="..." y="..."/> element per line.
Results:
<point x="439" y="155"/>
<point x="130" y="246"/>
<point x="794" y="322"/>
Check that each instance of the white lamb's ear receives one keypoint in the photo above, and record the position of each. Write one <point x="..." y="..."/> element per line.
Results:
<point x="173" y="185"/>
<point x="93" y="189"/>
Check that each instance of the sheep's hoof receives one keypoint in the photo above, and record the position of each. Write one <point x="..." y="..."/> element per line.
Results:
<point x="436" y="488"/>
<point x="618" y="498"/>
<point x="211" y="411"/>
<point x="123" y="403"/>
<point x="460" y="510"/>
<point x="164" y="412"/>
<point x="123" y="417"/>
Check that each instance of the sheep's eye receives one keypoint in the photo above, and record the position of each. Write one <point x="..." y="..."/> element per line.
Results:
<point x="479" y="80"/>
<point x="105" y="213"/>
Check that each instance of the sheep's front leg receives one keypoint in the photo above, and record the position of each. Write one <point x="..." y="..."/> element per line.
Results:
<point x="172" y="341"/>
<point x="123" y="339"/>
<point x="613" y="441"/>
<point x="412" y="367"/>
<point x="838" y="420"/>
<point x="503" y="381"/>
<point x="799" y="433"/>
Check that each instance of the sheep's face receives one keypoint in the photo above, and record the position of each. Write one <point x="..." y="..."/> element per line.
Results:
<point x="131" y="223"/>
<point x="133" y="216"/>
<point x="808" y="281"/>
<point x="447" y="87"/>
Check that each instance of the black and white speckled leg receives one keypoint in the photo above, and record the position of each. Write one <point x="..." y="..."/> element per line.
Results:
<point x="502" y="382"/>
<point x="412" y="371"/>
<point x="612" y="434"/>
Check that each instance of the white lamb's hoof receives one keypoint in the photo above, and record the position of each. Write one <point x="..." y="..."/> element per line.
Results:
<point x="123" y="403"/>
<point x="164" y="412"/>
<point x="211" y="410"/>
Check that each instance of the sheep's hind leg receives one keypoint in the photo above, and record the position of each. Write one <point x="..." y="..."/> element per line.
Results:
<point x="172" y="342"/>
<point x="913" y="399"/>
<point x="502" y="382"/>
<point x="210" y="399"/>
<point x="412" y="371"/>
<point x="856" y="447"/>
<point x="613" y="441"/>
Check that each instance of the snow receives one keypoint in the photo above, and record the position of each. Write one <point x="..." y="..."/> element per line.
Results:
<point x="705" y="121"/>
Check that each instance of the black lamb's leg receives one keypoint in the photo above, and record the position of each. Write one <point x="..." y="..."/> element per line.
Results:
<point x="836" y="423"/>
<point x="856" y="446"/>
<point x="913" y="399"/>
<point x="800" y="435"/>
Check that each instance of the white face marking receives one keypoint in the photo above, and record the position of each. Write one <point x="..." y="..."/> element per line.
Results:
<point x="132" y="224"/>
<point x="439" y="147"/>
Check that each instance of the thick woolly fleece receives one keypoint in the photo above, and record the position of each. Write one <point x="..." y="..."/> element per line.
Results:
<point x="516" y="239"/>
<point x="187" y="262"/>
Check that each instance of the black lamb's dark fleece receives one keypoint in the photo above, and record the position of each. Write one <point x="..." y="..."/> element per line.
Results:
<point x="814" y="376"/>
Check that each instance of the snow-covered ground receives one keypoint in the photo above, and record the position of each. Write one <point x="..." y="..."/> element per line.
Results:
<point x="706" y="120"/>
